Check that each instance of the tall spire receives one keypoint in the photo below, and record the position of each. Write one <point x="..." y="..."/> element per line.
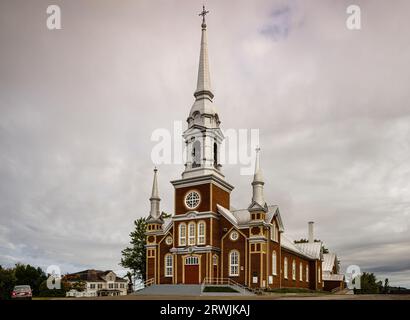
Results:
<point x="258" y="199"/>
<point x="203" y="87"/>
<point x="155" y="199"/>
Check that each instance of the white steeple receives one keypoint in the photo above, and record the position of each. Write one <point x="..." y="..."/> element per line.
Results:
<point x="203" y="111"/>
<point x="155" y="199"/>
<point x="258" y="199"/>
<point x="203" y="87"/>
<point x="203" y="137"/>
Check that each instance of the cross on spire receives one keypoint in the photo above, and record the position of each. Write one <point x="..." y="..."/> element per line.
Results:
<point x="203" y="14"/>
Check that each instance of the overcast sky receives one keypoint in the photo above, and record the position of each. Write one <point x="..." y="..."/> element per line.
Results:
<point x="78" y="107"/>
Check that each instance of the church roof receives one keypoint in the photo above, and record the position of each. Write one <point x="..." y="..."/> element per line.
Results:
<point x="329" y="260"/>
<point x="332" y="277"/>
<point x="290" y="245"/>
<point x="311" y="249"/>
<point x="167" y="224"/>
<point x="242" y="217"/>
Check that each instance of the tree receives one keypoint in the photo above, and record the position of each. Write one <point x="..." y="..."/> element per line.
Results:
<point x="28" y="275"/>
<point x="369" y="284"/>
<point x="7" y="283"/>
<point x="386" y="287"/>
<point x="133" y="257"/>
<point x="44" y="291"/>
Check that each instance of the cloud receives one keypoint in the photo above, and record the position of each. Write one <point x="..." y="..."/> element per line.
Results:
<point x="78" y="107"/>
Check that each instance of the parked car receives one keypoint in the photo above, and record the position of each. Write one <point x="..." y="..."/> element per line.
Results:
<point x="22" y="292"/>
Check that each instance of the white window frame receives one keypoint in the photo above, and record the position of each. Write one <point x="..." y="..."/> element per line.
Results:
<point x="274" y="263"/>
<point x="191" y="235"/>
<point x="318" y="274"/>
<point x="201" y="235"/>
<point x="300" y="271"/>
<point x="192" y="199"/>
<point x="293" y="269"/>
<point x="285" y="267"/>
<point x="234" y="235"/>
<point x="168" y="265"/>
<point x="191" y="260"/>
<point x="234" y="259"/>
<point x="182" y="235"/>
<point x="307" y="273"/>
<point x="274" y="233"/>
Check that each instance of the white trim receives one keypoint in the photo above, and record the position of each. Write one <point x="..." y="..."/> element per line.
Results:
<point x="274" y="263"/>
<point x="307" y="273"/>
<point x="168" y="269"/>
<point x="199" y="235"/>
<point x="191" y="237"/>
<point x="235" y="264"/>
<point x="182" y="239"/>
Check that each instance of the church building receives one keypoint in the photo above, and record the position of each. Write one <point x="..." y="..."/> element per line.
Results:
<point x="205" y="238"/>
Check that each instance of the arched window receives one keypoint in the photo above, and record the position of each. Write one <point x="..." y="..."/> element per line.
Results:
<point x="182" y="234"/>
<point x="301" y="271"/>
<point x="293" y="269"/>
<point x="191" y="233"/>
<point x="215" y="154"/>
<point x="215" y="260"/>
<point x="274" y="263"/>
<point x="307" y="273"/>
<point x="234" y="263"/>
<point x="168" y="265"/>
<point x="201" y="232"/>
<point x="285" y="268"/>
<point x="196" y="153"/>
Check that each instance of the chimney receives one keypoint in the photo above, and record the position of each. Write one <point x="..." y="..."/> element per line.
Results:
<point x="310" y="229"/>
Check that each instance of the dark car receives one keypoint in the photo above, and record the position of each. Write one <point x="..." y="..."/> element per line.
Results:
<point x="22" y="292"/>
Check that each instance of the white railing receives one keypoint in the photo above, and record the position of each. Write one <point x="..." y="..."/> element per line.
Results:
<point x="224" y="282"/>
<point x="144" y="284"/>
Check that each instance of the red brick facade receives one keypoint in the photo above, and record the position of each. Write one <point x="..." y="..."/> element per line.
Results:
<point x="252" y="248"/>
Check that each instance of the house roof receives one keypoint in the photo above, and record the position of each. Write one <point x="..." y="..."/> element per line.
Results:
<point x="92" y="275"/>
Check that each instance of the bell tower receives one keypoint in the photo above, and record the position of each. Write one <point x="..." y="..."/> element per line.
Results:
<point x="203" y="137"/>
<point x="203" y="184"/>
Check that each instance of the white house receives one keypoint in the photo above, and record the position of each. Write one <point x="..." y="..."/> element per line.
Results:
<point x="98" y="283"/>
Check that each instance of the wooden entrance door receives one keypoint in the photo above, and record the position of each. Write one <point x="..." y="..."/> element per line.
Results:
<point x="191" y="270"/>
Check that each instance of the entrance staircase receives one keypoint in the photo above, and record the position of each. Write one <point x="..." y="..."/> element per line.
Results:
<point x="225" y="282"/>
<point x="149" y="288"/>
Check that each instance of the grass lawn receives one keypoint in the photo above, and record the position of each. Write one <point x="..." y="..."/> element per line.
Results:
<point x="219" y="289"/>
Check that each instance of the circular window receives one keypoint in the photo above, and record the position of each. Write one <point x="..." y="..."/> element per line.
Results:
<point x="168" y="241"/>
<point x="192" y="199"/>
<point x="234" y="236"/>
